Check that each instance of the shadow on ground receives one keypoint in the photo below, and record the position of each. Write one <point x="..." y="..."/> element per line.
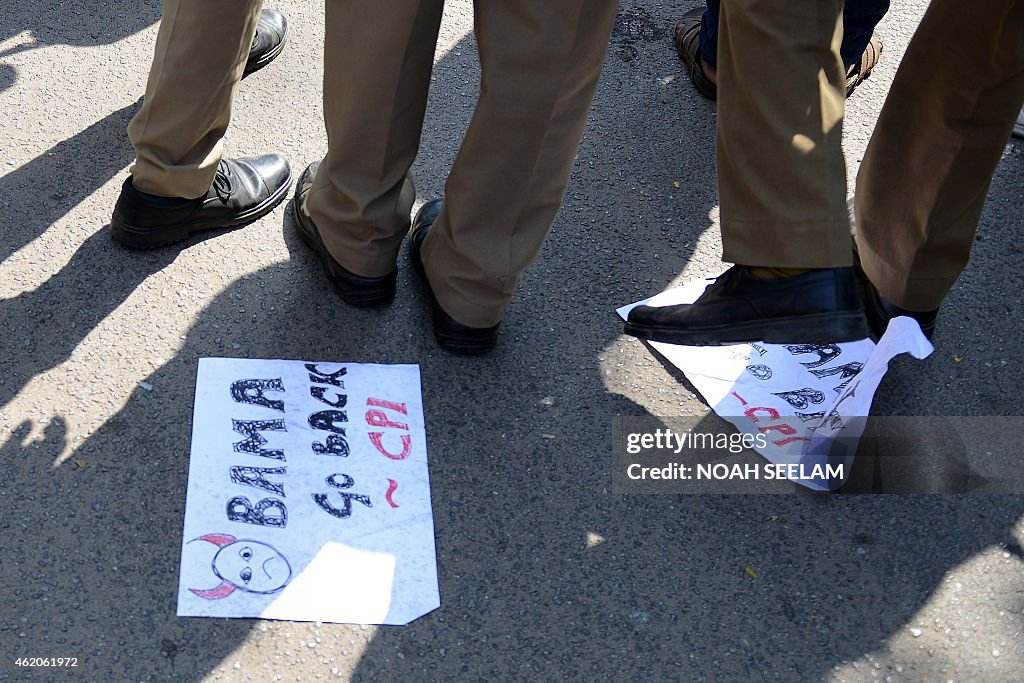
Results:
<point x="71" y="22"/>
<point x="545" y="574"/>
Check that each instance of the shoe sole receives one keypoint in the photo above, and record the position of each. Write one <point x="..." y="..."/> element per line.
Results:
<point x="370" y="299"/>
<point x="135" y="237"/>
<point x="830" y="328"/>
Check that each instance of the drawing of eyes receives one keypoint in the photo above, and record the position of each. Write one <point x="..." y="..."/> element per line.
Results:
<point x="246" y="574"/>
<point x="245" y="553"/>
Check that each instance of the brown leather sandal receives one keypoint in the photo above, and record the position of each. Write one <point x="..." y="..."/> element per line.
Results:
<point x="859" y="72"/>
<point x="686" y="38"/>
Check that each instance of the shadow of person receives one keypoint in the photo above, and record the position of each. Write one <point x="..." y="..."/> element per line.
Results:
<point x="72" y="22"/>
<point x="79" y="22"/>
<point x="87" y="563"/>
<point x="42" y="327"/>
<point x="44" y="190"/>
<point x="8" y="76"/>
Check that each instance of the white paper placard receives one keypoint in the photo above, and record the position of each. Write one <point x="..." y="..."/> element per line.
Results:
<point x="308" y="494"/>
<point x="802" y="397"/>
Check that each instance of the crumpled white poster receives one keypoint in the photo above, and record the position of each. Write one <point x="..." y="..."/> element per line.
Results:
<point x="805" y="398"/>
<point x="308" y="494"/>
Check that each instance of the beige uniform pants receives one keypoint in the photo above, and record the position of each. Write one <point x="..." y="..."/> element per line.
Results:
<point x="201" y="51"/>
<point x="781" y="96"/>
<point x="922" y="184"/>
<point x="540" y="62"/>
<point x="939" y="138"/>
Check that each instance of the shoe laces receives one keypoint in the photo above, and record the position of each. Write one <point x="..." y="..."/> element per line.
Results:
<point x="222" y="182"/>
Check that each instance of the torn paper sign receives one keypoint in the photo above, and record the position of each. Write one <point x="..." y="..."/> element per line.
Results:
<point x="308" y="495"/>
<point x="804" y="398"/>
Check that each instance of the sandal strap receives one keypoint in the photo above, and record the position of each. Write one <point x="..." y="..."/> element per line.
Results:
<point x="686" y="36"/>
<point x="862" y="69"/>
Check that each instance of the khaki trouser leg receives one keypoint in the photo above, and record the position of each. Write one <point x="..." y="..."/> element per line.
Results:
<point x="781" y="170"/>
<point x="201" y="51"/>
<point x="939" y="138"/>
<point x="377" y="64"/>
<point x="540" y="63"/>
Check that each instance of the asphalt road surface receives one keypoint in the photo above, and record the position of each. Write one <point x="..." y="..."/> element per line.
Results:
<point x="545" y="574"/>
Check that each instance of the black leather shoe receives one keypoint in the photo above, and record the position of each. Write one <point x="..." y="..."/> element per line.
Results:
<point x="819" y="307"/>
<point x="450" y="334"/>
<point x="355" y="290"/>
<point x="879" y="310"/>
<point x="243" y="191"/>
<point x="267" y="44"/>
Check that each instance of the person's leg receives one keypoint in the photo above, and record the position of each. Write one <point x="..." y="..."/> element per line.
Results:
<point x="378" y="58"/>
<point x="179" y="183"/>
<point x="709" y="33"/>
<point x="860" y="17"/>
<point x="201" y="52"/>
<point x="923" y="182"/>
<point x="781" y="170"/>
<point x="859" y="50"/>
<point x="781" y="186"/>
<point x="540" y="63"/>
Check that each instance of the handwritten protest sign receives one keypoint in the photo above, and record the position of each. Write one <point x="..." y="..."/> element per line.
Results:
<point x="308" y="494"/>
<point x="804" y="397"/>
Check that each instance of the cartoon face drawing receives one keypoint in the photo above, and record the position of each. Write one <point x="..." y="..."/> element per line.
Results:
<point x="252" y="566"/>
<point x="245" y="564"/>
